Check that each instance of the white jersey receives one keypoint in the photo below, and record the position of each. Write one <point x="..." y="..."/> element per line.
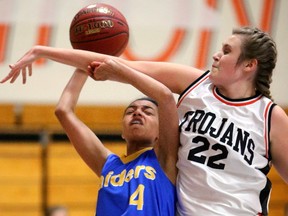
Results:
<point x="224" y="153"/>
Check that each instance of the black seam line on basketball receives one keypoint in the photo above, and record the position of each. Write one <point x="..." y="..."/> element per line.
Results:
<point x="119" y="20"/>
<point x="121" y="47"/>
<point x="99" y="38"/>
<point x="103" y="17"/>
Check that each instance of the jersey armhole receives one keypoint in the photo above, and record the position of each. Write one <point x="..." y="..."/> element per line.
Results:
<point x="269" y="128"/>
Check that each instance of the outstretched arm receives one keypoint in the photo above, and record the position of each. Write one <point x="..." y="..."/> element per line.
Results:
<point x="77" y="58"/>
<point x="89" y="147"/>
<point x="176" y="76"/>
<point x="167" y="146"/>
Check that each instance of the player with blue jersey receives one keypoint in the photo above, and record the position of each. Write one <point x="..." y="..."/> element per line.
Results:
<point x="143" y="181"/>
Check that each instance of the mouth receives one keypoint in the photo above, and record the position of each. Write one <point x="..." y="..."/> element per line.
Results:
<point x="214" y="68"/>
<point x="136" y="121"/>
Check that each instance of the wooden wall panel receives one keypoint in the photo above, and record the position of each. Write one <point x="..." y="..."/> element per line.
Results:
<point x="7" y="115"/>
<point x="20" y="179"/>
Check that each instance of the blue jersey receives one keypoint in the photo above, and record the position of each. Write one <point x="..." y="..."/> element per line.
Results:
<point x="135" y="185"/>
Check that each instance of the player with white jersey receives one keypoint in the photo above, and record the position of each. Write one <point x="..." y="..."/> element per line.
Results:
<point x="222" y="152"/>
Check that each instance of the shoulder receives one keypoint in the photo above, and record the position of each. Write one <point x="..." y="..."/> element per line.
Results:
<point x="279" y="123"/>
<point x="278" y="116"/>
<point x="187" y="75"/>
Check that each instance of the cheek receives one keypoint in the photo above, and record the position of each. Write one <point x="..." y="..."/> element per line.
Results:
<point x="155" y="129"/>
<point x="124" y="124"/>
<point x="228" y="65"/>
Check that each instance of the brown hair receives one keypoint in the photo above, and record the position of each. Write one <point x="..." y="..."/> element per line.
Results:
<point x="258" y="45"/>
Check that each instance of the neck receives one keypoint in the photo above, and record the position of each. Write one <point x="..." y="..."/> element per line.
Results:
<point x="133" y="147"/>
<point x="237" y="93"/>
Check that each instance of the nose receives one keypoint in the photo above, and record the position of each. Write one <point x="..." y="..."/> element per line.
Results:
<point x="137" y="112"/>
<point x="217" y="56"/>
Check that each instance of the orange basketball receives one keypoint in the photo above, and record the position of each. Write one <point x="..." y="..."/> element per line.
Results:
<point x="99" y="28"/>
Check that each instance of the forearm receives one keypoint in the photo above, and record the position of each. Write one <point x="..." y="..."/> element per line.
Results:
<point x="70" y="95"/>
<point x="146" y="84"/>
<point x="73" y="57"/>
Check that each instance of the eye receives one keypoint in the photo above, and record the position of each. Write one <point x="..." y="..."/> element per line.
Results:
<point x="226" y="51"/>
<point x="129" y="111"/>
<point x="149" y="111"/>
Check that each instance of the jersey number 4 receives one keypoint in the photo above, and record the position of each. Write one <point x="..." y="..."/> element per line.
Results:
<point x="204" y="145"/>
<point x="137" y="198"/>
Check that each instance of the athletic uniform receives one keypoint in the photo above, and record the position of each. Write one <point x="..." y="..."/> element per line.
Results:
<point x="135" y="185"/>
<point x="224" y="154"/>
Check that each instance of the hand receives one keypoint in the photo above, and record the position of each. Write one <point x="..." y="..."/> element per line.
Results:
<point x="92" y="68"/>
<point x="108" y="70"/>
<point x="21" y="66"/>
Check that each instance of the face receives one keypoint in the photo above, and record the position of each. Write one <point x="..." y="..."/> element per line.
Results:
<point x="140" y="121"/>
<point x="225" y="70"/>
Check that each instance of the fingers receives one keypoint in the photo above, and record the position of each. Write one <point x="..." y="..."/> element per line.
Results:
<point x="90" y="70"/>
<point x="5" y="79"/>
<point x="30" y="70"/>
<point x="15" y="76"/>
<point x="12" y="76"/>
<point x="15" y="72"/>
<point x="24" y="75"/>
<point x="94" y="64"/>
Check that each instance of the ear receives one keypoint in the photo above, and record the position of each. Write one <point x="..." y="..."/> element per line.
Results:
<point x="251" y="65"/>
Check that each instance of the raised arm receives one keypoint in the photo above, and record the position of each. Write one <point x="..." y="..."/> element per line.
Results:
<point x="84" y="140"/>
<point x="176" y="76"/>
<point x="167" y="146"/>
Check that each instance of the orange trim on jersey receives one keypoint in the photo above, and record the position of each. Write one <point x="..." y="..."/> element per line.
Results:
<point x="236" y="103"/>
<point x="266" y="122"/>
<point x="172" y="47"/>
<point x="4" y="28"/>
<point x="44" y="33"/>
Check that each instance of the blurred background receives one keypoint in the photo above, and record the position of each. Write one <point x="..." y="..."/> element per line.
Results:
<point x="38" y="166"/>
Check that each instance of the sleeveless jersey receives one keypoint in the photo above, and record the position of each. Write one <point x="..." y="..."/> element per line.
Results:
<point x="224" y="153"/>
<point x="135" y="185"/>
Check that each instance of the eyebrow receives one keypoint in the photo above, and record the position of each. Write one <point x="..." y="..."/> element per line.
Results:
<point x="224" y="45"/>
<point x="134" y="106"/>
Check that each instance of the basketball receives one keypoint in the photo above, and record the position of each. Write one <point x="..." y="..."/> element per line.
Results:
<point x="99" y="28"/>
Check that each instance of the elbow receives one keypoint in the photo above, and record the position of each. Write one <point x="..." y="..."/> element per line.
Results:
<point x="61" y="111"/>
<point x="167" y="95"/>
